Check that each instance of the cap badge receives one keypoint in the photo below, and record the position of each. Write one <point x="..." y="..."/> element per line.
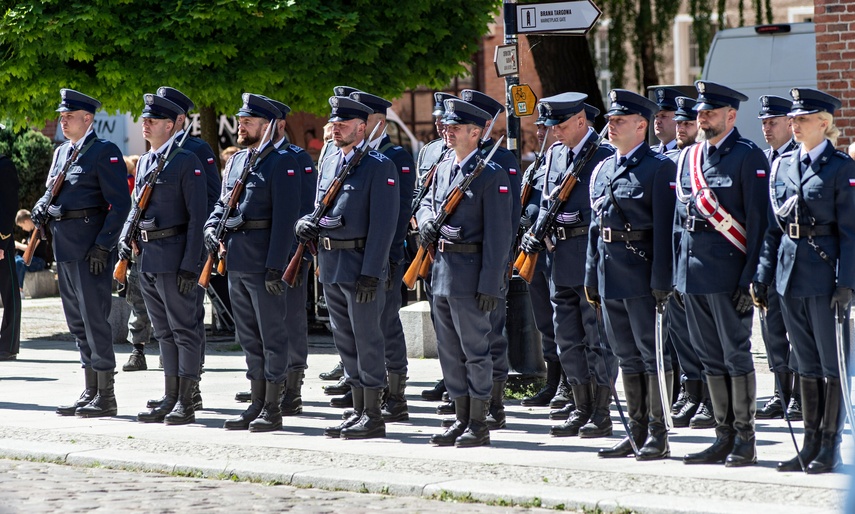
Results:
<point x="467" y="96"/>
<point x="334" y="102"/>
<point x="701" y="87"/>
<point x="795" y="93"/>
<point x="449" y="107"/>
<point x="660" y="94"/>
<point x="764" y="100"/>
<point x="681" y="102"/>
<point x="245" y="98"/>
<point x="547" y="108"/>
<point x="613" y="95"/>
<point x="355" y="96"/>
<point x="62" y="93"/>
<point x="149" y="99"/>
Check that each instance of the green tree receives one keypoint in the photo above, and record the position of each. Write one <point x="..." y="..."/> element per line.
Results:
<point x="31" y="152"/>
<point x="296" y="51"/>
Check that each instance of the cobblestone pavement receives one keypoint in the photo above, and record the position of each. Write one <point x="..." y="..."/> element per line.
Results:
<point x="44" y="487"/>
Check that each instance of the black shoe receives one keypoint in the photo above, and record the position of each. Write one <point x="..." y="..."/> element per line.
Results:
<point x="445" y="409"/>
<point x="243" y="396"/>
<point x="579" y="417"/>
<point x="772" y="409"/>
<point x="563" y="396"/>
<point x="541" y="398"/>
<point x="704" y="416"/>
<point x="336" y="389"/>
<point x="257" y="395"/>
<point x="158" y="413"/>
<point x="342" y="402"/>
<point x="357" y="394"/>
<point x="600" y="424"/>
<point x="5" y="356"/>
<point x="104" y="403"/>
<point x="495" y="419"/>
<point x="136" y="362"/>
<point x="334" y="374"/>
<point x="370" y="425"/>
<point x="270" y="418"/>
<point x="718" y="452"/>
<point x="624" y="447"/>
<point x="563" y="412"/>
<point x="292" y="397"/>
<point x="395" y="406"/>
<point x="197" y="397"/>
<point x="477" y="433"/>
<point x="828" y="458"/>
<point x="794" y="409"/>
<point x="434" y="394"/>
<point x="90" y="379"/>
<point x="183" y="413"/>
<point x="681" y="400"/>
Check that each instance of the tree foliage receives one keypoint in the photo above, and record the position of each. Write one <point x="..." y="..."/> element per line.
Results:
<point x="296" y="51"/>
<point x="31" y="152"/>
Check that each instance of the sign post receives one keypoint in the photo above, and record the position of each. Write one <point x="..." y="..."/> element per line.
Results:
<point x="511" y="79"/>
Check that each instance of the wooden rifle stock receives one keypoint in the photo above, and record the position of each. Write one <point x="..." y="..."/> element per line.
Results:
<point x="54" y="188"/>
<point x="207" y="269"/>
<point x="290" y="275"/>
<point x="32" y="243"/>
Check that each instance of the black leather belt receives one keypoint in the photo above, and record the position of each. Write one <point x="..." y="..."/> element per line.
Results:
<point x="609" y="235"/>
<point x="79" y="213"/>
<point x="796" y="231"/>
<point x="445" y="246"/>
<point x="255" y="224"/>
<point x="695" y="224"/>
<point x="152" y="235"/>
<point x="564" y="233"/>
<point x="340" y="244"/>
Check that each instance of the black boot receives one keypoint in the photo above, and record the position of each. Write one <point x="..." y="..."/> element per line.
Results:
<point x="344" y="401"/>
<point x="744" y="406"/>
<point x="257" y="391"/>
<point x="370" y="425"/>
<point x="563" y="412"/>
<point x="292" y="398"/>
<point x="243" y="396"/>
<point x="563" y="396"/>
<point x="691" y="401"/>
<point x="496" y="415"/>
<point x="477" y="433"/>
<point x="334" y="374"/>
<point x="197" y="396"/>
<point x="813" y="390"/>
<point x="579" y="417"/>
<point x="705" y="415"/>
<point x="681" y="400"/>
<point x="656" y="446"/>
<point x="719" y="388"/>
<point x="828" y="458"/>
<point x="90" y="389"/>
<point x="170" y="396"/>
<point x="136" y="361"/>
<point x="600" y="424"/>
<point x="794" y="409"/>
<point x="104" y="403"/>
<point x="357" y="394"/>
<point x="445" y="408"/>
<point x="454" y="431"/>
<point x="336" y="389"/>
<point x="637" y="410"/>
<point x="434" y="394"/>
<point x="544" y="396"/>
<point x="183" y="413"/>
<point x="395" y="408"/>
<point x="270" y="418"/>
<point x="774" y="408"/>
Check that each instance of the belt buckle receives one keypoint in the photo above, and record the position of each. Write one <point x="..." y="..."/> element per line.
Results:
<point x="144" y="236"/>
<point x="793" y="230"/>
<point x="690" y="223"/>
<point x="326" y="244"/>
<point x="607" y="234"/>
<point x="561" y="233"/>
<point x="440" y="245"/>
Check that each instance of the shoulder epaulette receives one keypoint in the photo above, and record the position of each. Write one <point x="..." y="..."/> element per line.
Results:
<point x="747" y="142"/>
<point x="377" y="155"/>
<point x="842" y="155"/>
<point x="294" y="148"/>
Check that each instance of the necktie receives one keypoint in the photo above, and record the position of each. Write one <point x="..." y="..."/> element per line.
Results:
<point x="806" y="162"/>
<point x="775" y="155"/>
<point x="622" y="161"/>
<point x="569" y="158"/>
<point x="711" y="150"/>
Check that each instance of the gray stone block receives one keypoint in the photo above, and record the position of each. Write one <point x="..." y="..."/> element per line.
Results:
<point x="418" y="331"/>
<point x="118" y="319"/>
<point x="40" y="284"/>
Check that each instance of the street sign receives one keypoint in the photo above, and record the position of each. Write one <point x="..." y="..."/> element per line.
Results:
<point x="523" y="99"/>
<point x="505" y="59"/>
<point x="557" y="17"/>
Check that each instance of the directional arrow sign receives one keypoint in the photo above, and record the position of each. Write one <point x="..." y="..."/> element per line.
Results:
<point x="568" y="17"/>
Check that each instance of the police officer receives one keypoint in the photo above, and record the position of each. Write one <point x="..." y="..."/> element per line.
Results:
<point x="505" y="159"/>
<point x="782" y="362"/>
<point x="808" y="252"/>
<point x="353" y="253"/>
<point x="722" y="193"/>
<point x="628" y="268"/>
<point x="589" y="371"/>
<point x="10" y="289"/>
<point x="663" y="123"/>
<point x="85" y="220"/>
<point x="258" y="240"/>
<point x="296" y="317"/>
<point x="469" y="271"/>
<point x="170" y="257"/>
<point x="692" y="408"/>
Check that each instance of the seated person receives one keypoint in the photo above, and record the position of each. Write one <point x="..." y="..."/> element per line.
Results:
<point x="40" y="255"/>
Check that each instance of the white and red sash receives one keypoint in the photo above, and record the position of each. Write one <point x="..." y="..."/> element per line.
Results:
<point x="720" y="219"/>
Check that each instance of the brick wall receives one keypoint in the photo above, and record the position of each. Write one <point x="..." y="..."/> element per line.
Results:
<point x="835" y="55"/>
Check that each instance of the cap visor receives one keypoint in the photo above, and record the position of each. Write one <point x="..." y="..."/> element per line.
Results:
<point x="799" y="112"/>
<point x="153" y="116"/>
<point x="706" y="106"/>
<point x="767" y="116"/>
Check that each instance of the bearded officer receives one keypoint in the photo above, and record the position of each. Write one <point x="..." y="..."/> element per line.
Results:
<point x="722" y="190"/>
<point x="85" y="220"/>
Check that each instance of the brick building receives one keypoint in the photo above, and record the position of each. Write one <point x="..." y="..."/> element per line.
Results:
<point x="835" y="53"/>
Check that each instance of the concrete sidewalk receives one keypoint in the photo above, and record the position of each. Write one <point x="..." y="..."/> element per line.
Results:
<point x="524" y="465"/>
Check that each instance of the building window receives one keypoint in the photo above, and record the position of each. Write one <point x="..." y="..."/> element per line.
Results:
<point x="800" y="14"/>
<point x="601" y="58"/>
<point x="687" y="58"/>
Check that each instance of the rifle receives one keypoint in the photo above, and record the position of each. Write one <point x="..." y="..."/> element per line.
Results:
<point x="525" y="262"/>
<point x="424" y="257"/>
<point x="231" y="205"/>
<point x="528" y="184"/>
<point x="140" y="205"/>
<point x="290" y="275"/>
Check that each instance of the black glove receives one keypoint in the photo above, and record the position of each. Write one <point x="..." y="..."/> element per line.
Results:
<point x="393" y="267"/>
<point x="661" y="298"/>
<point x="526" y="222"/>
<point x="39" y="214"/>
<point x="186" y="281"/>
<point x="212" y="244"/>
<point x="678" y="297"/>
<point x="273" y="282"/>
<point x="841" y="300"/>
<point x="593" y="297"/>
<point x="531" y="244"/>
<point x="486" y="303"/>
<point x="306" y="230"/>
<point x="760" y="293"/>
<point x="742" y="301"/>
<point x="125" y="251"/>
<point x="97" y="257"/>
<point x="366" y="288"/>
<point x="429" y="232"/>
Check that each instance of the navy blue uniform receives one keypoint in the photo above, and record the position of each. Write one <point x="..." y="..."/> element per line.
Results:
<point x="269" y="205"/>
<point x="177" y="204"/>
<point x="364" y="217"/>
<point x="96" y="182"/>
<point x="482" y="218"/>
<point x="10" y="293"/>
<point x="710" y="268"/>
<point x="626" y="271"/>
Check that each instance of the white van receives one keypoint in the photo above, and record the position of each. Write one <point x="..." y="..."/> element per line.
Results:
<point x="762" y="60"/>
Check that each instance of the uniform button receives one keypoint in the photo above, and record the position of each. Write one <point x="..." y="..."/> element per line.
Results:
<point x="691" y="253"/>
